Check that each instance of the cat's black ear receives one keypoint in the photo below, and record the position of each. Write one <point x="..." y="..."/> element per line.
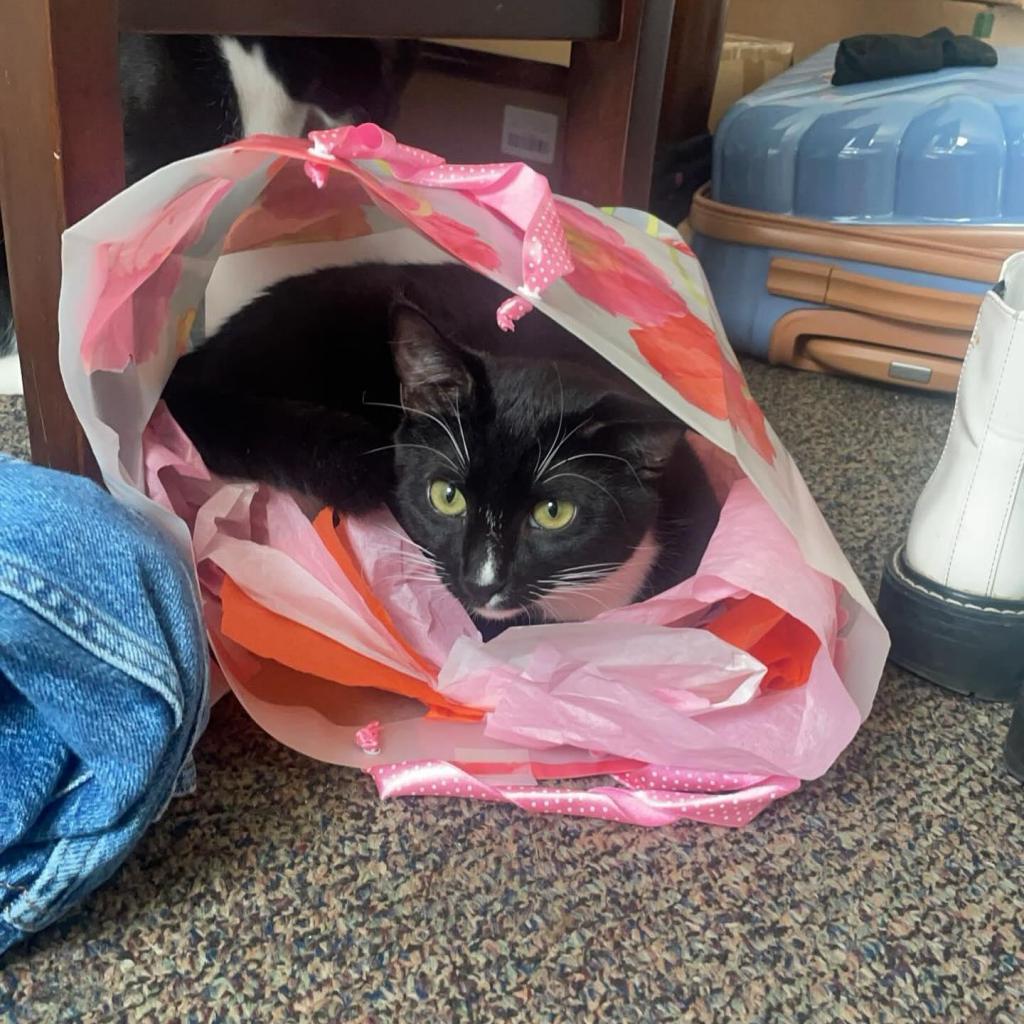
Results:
<point x="645" y="437"/>
<point x="649" y="445"/>
<point x="429" y="367"/>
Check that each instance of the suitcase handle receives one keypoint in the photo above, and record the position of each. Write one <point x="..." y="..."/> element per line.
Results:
<point x="830" y="285"/>
<point x="838" y="341"/>
<point x="872" y="362"/>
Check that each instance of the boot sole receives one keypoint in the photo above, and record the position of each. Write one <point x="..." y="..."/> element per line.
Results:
<point x="1014" y="764"/>
<point x="1013" y="752"/>
<point x="969" y="644"/>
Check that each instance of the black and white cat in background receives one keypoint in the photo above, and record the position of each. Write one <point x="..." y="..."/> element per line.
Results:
<point x="538" y="486"/>
<point x="183" y="95"/>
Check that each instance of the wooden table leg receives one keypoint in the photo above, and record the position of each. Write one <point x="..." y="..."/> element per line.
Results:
<point x="61" y="155"/>
<point x="693" y="56"/>
<point x="614" y="101"/>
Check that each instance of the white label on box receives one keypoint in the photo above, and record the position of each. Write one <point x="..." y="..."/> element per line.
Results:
<point x="529" y="134"/>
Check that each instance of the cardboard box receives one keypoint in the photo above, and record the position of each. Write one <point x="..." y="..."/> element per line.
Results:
<point x="746" y="63"/>
<point x="812" y="24"/>
<point x="469" y="121"/>
<point x="1007" y="24"/>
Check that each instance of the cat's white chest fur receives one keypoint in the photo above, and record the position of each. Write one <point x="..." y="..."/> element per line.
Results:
<point x="617" y="589"/>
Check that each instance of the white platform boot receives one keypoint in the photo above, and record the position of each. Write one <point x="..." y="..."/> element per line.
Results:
<point x="953" y="595"/>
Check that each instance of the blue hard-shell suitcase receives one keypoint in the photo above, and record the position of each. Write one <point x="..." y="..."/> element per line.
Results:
<point x="855" y="228"/>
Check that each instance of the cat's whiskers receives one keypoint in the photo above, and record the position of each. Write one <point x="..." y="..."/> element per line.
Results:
<point x="538" y="469"/>
<point x="554" y="595"/>
<point x="616" y="585"/>
<point x="423" y="574"/>
<point x="403" y="578"/>
<point x="414" y="556"/>
<point x="405" y="444"/>
<point x="443" y="425"/>
<point x="578" y="576"/>
<point x="600" y="455"/>
<point x="400" y="551"/>
<point x="417" y="567"/>
<point x="527" y="610"/>
<point x="554" y="586"/>
<point x="581" y="583"/>
<point x="406" y="539"/>
<point x="462" y="433"/>
<point x="402" y="407"/>
<point x="587" y="479"/>
<point x="556" y="447"/>
<point x="429" y="571"/>
<point x="588" y="565"/>
<point x="576" y="579"/>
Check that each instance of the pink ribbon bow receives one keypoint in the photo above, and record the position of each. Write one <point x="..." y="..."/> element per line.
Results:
<point x="513" y="190"/>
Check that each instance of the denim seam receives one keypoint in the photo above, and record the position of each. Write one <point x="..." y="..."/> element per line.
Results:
<point x="72" y="786"/>
<point x="32" y="574"/>
<point x="40" y="897"/>
<point x="24" y="892"/>
<point x="157" y="681"/>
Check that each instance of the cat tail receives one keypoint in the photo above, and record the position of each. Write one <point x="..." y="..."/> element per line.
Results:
<point x="340" y="458"/>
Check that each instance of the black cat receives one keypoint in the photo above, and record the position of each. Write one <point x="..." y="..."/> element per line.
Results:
<point x="183" y="95"/>
<point x="541" y="485"/>
<point x="187" y="94"/>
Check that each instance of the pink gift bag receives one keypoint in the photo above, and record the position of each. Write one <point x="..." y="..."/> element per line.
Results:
<point x="704" y="703"/>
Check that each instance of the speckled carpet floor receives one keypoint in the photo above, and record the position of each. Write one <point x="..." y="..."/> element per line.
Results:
<point x="892" y="890"/>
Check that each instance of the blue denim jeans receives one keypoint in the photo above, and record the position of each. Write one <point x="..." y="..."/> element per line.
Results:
<point x="103" y="688"/>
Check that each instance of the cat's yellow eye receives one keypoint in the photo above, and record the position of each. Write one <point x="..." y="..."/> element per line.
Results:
<point x="447" y="498"/>
<point x="553" y="514"/>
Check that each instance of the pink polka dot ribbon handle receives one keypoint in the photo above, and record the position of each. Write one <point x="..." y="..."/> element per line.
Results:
<point x="511" y="310"/>
<point x="650" y="796"/>
<point x="513" y="190"/>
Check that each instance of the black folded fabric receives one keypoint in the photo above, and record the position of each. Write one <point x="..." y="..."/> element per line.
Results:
<point x="870" y="57"/>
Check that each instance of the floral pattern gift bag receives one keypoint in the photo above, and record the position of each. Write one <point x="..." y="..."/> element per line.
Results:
<point x="706" y="702"/>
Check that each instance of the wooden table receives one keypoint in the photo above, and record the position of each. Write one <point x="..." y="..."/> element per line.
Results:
<point x="61" y="149"/>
